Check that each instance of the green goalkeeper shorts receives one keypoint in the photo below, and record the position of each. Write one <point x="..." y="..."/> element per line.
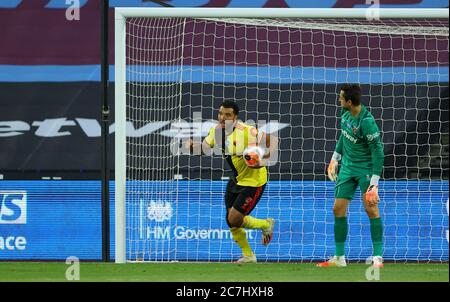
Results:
<point x="347" y="183"/>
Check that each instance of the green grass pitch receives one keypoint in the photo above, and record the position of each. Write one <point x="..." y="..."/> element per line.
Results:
<point x="225" y="272"/>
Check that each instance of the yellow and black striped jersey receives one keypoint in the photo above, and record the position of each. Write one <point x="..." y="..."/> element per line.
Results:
<point x="242" y="136"/>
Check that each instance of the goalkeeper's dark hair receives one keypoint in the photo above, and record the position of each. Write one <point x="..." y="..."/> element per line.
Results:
<point x="352" y="92"/>
<point x="230" y="104"/>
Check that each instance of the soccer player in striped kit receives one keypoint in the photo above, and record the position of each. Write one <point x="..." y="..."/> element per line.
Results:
<point x="247" y="183"/>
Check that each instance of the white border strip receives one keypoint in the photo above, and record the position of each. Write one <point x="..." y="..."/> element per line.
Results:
<point x="216" y="12"/>
<point x="120" y="50"/>
<point x="120" y="139"/>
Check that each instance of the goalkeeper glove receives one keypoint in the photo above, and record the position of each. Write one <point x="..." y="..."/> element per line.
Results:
<point x="332" y="167"/>
<point x="372" y="191"/>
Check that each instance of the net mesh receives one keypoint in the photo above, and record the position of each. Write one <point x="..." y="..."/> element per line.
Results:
<point x="285" y="75"/>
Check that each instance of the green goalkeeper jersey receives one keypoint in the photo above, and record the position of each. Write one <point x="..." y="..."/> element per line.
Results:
<point x="360" y="144"/>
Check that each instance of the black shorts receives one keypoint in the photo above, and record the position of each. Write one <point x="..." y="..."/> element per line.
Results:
<point x="243" y="199"/>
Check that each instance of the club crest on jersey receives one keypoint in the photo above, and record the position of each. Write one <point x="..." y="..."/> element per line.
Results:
<point x="355" y="130"/>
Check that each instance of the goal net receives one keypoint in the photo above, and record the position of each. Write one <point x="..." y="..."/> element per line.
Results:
<point x="285" y="74"/>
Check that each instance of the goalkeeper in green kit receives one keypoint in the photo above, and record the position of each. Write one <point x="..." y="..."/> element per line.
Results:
<point x="361" y="151"/>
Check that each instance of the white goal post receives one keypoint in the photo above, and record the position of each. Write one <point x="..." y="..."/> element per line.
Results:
<point x="122" y="14"/>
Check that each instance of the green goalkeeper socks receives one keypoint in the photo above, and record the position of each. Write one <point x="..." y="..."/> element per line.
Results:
<point x="376" y="231"/>
<point x="340" y="234"/>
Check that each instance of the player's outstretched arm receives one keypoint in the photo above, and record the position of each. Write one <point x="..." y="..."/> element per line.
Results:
<point x="203" y="148"/>
<point x="207" y="149"/>
<point x="197" y="148"/>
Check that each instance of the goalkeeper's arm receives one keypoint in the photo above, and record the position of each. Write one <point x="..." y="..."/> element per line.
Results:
<point x="376" y="150"/>
<point x="373" y="137"/>
<point x="337" y="156"/>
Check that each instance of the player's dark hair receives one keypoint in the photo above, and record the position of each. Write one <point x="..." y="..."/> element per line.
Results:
<point x="231" y="104"/>
<point x="352" y="92"/>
